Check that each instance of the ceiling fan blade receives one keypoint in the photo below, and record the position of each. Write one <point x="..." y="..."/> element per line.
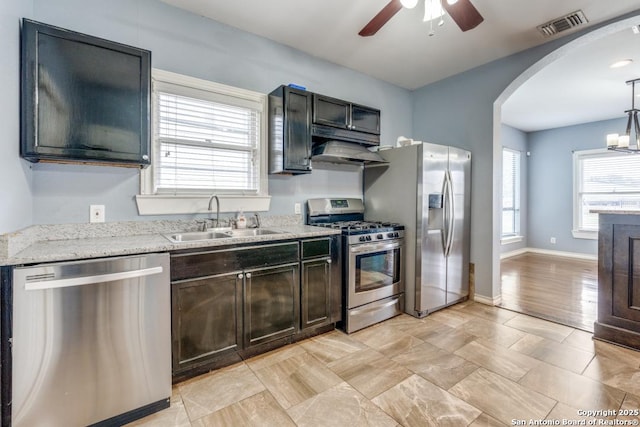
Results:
<point x="463" y="13"/>
<point x="381" y="18"/>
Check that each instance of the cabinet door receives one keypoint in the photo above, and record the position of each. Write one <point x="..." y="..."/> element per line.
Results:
<point x="331" y="112"/>
<point x="297" y="122"/>
<point x="365" y="119"/>
<point x="626" y="274"/>
<point x="206" y="319"/>
<point x="271" y="298"/>
<point x="316" y="292"/>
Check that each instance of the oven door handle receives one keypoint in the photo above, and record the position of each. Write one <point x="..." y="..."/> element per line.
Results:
<point x="374" y="247"/>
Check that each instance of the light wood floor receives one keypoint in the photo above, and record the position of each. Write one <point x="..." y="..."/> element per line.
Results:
<point x="563" y="290"/>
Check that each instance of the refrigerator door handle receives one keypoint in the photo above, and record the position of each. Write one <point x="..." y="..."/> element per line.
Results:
<point x="450" y="212"/>
<point x="445" y="214"/>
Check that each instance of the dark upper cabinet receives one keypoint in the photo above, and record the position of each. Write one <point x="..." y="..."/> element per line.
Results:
<point x="345" y="115"/>
<point x="331" y="112"/>
<point x="289" y="131"/>
<point x="83" y="99"/>
<point x="365" y="119"/>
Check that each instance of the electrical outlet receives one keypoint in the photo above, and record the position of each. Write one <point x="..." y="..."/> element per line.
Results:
<point x="552" y="240"/>
<point x="297" y="208"/>
<point x="96" y="213"/>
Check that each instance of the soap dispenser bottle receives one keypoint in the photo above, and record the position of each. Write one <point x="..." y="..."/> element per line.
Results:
<point x="241" y="221"/>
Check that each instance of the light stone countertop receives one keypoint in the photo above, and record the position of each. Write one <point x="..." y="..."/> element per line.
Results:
<point x="82" y="241"/>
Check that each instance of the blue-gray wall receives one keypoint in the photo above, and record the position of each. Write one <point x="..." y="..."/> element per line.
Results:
<point x="15" y="176"/>
<point x="517" y="140"/>
<point x="459" y="111"/>
<point x="185" y="43"/>
<point x="551" y="183"/>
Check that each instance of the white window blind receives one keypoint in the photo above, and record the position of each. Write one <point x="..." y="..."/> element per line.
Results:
<point x="605" y="180"/>
<point x="206" y="140"/>
<point x="510" y="192"/>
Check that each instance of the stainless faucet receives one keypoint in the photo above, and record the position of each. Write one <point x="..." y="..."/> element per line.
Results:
<point x="214" y="196"/>
<point x="257" y="220"/>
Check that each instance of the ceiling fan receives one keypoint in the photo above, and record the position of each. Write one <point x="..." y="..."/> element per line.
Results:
<point x="463" y="13"/>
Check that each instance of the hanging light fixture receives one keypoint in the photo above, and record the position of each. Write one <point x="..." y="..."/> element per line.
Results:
<point x="621" y="142"/>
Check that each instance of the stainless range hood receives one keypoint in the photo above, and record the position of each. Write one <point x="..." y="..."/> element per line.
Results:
<point x="345" y="153"/>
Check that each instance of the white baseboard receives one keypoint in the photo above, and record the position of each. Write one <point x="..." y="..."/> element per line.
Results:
<point x="514" y="253"/>
<point x="549" y="252"/>
<point x="487" y="300"/>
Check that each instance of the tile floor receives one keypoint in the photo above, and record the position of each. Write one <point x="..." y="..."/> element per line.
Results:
<point x="469" y="364"/>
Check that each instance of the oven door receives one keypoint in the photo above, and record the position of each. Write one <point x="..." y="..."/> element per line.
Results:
<point x="375" y="272"/>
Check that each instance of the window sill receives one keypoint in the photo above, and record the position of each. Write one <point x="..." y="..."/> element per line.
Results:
<point x="583" y="234"/>
<point x="511" y="239"/>
<point x="169" y="204"/>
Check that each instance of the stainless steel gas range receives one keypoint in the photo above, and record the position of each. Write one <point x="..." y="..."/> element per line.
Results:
<point x="372" y="259"/>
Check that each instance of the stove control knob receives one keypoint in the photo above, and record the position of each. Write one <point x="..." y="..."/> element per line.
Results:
<point x="380" y="236"/>
<point x="362" y="238"/>
<point x="396" y="234"/>
<point x="368" y="237"/>
<point x="390" y="235"/>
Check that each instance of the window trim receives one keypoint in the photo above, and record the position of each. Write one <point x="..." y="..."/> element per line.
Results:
<point x="163" y="203"/>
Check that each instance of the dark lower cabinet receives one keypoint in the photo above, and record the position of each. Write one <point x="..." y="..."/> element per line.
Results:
<point x="270" y="304"/>
<point x="619" y="280"/>
<point x="206" y="319"/>
<point x="235" y="302"/>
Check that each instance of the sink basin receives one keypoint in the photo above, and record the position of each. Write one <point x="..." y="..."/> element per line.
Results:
<point x="248" y="232"/>
<point x="196" y="235"/>
<point x="220" y="233"/>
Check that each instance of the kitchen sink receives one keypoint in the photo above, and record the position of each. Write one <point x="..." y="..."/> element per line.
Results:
<point x="248" y="232"/>
<point x="192" y="236"/>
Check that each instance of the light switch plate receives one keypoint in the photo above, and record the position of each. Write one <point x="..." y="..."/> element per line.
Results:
<point x="297" y="208"/>
<point x="96" y="213"/>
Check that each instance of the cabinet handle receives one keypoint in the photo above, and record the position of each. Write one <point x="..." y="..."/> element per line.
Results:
<point x="240" y="276"/>
<point x="248" y="275"/>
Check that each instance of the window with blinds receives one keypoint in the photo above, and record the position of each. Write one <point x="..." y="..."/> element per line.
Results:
<point x="510" y="192"/>
<point x="207" y="139"/>
<point x="604" y="180"/>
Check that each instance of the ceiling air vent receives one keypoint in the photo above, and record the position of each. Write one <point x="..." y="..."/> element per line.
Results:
<point x="563" y="23"/>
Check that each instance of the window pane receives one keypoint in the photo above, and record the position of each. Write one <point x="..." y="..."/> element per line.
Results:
<point x="510" y="192"/>
<point x="611" y="174"/>
<point x="206" y="145"/>
<point x="608" y="181"/>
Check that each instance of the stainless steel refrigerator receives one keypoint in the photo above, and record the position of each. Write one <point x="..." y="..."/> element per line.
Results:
<point x="427" y="188"/>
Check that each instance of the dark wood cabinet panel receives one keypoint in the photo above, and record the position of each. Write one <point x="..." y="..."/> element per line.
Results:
<point x="316" y="292"/>
<point x="619" y="280"/>
<point x="220" y="261"/>
<point x="365" y="119"/>
<point x="206" y="319"/>
<point x="331" y="112"/>
<point x="289" y="131"/>
<point x="270" y="304"/>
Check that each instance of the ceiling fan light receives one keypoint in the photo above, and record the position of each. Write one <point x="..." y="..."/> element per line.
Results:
<point x="621" y="63"/>
<point x="433" y="10"/>
<point x="409" y="4"/>
<point x="450" y="2"/>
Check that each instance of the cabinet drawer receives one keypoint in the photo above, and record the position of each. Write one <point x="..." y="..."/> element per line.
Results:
<point x="316" y="248"/>
<point x="203" y="264"/>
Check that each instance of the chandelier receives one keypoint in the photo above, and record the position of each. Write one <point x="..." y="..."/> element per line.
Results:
<point x="621" y="142"/>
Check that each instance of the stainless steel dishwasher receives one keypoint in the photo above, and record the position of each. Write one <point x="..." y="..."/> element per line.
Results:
<point x="91" y="341"/>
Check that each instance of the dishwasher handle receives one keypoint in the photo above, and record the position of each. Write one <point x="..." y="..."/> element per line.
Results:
<point x="90" y="280"/>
